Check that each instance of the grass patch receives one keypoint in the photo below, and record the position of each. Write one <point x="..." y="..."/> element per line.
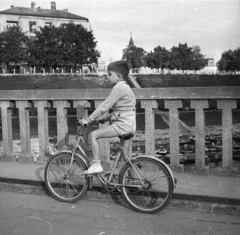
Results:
<point x="176" y="80"/>
<point x="25" y="82"/>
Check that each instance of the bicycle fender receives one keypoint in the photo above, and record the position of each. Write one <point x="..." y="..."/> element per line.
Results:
<point x="80" y="156"/>
<point x="162" y="162"/>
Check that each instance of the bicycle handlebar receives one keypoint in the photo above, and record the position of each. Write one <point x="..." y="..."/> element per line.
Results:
<point x="79" y="124"/>
<point x="81" y="128"/>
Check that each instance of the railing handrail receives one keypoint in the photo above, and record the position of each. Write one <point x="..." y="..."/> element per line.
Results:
<point x="227" y="92"/>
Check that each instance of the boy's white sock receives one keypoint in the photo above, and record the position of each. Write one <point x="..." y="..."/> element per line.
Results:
<point x="96" y="161"/>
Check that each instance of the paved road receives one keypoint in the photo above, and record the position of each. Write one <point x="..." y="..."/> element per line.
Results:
<point x="23" y="214"/>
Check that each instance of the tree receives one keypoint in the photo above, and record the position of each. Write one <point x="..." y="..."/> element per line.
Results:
<point x="181" y="56"/>
<point x="198" y="60"/>
<point x="230" y="60"/>
<point x="187" y="58"/>
<point x="134" y="56"/>
<point x="159" y="58"/>
<point x="68" y="44"/>
<point x="13" y="45"/>
<point x="44" y="50"/>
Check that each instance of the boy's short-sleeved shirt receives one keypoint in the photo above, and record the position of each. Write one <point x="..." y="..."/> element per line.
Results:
<point x="121" y="98"/>
<point x="123" y="102"/>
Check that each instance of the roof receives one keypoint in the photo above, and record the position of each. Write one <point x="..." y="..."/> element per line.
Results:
<point x="42" y="13"/>
<point x="131" y="43"/>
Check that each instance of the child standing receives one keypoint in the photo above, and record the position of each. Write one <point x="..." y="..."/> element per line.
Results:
<point x="123" y="117"/>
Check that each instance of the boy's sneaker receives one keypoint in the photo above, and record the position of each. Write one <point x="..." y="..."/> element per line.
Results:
<point x="94" y="169"/>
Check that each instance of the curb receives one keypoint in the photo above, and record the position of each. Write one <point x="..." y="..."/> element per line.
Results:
<point x="200" y="203"/>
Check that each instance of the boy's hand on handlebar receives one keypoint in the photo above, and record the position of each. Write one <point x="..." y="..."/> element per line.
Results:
<point x="83" y="122"/>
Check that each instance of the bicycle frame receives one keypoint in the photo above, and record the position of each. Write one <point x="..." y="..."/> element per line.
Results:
<point x="121" y="154"/>
<point x="100" y="176"/>
<point x="77" y="146"/>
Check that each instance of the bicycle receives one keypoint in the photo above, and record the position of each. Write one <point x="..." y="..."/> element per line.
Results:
<point x="145" y="182"/>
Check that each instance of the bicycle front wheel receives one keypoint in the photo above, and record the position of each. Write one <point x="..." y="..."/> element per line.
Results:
<point x="147" y="185"/>
<point x="66" y="183"/>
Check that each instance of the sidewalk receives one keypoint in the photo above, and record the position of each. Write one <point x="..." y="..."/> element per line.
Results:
<point x="219" y="191"/>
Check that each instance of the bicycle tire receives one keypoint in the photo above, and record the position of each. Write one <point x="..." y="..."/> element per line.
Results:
<point x="158" y="185"/>
<point x="66" y="186"/>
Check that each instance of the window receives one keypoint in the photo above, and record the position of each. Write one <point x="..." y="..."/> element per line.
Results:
<point x="32" y="26"/>
<point x="12" y="23"/>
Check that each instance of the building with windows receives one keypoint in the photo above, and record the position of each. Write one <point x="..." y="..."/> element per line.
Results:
<point x="29" y="19"/>
<point x="211" y="62"/>
<point x="211" y="67"/>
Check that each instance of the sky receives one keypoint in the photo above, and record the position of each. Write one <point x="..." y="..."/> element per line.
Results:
<point x="214" y="25"/>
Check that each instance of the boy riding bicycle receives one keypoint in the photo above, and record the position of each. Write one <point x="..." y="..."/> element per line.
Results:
<point x="122" y="118"/>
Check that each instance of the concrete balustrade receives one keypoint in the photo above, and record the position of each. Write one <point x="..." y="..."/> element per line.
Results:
<point x="62" y="125"/>
<point x="173" y="106"/>
<point x="227" y="106"/>
<point x="149" y="106"/>
<point x="43" y="129"/>
<point x="62" y="100"/>
<point x="199" y="106"/>
<point x="24" y="124"/>
<point x="6" y="117"/>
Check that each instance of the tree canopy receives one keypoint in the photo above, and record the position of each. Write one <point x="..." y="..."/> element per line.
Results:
<point x="134" y="56"/>
<point x="13" y="45"/>
<point x="187" y="58"/>
<point x="68" y="44"/>
<point x="230" y="60"/>
<point x="158" y="58"/>
<point x="178" y="57"/>
<point x="199" y="60"/>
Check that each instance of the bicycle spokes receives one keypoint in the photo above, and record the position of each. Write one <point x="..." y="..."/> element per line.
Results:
<point x="65" y="180"/>
<point x="147" y="185"/>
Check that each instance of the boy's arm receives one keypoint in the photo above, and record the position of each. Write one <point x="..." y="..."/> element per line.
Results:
<point x="105" y="118"/>
<point x="114" y="96"/>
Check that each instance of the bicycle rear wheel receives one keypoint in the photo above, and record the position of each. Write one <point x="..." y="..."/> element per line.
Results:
<point x="65" y="183"/>
<point x="147" y="186"/>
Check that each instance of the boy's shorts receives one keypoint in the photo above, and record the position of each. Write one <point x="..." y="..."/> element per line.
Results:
<point x="124" y="122"/>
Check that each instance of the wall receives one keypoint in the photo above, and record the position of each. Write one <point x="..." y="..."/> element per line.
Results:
<point x="40" y="21"/>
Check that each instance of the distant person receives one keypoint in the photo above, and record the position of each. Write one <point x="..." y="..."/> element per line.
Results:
<point x="122" y="118"/>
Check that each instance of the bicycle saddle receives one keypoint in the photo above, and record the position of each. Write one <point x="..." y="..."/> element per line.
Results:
<point x="126" y="136"/>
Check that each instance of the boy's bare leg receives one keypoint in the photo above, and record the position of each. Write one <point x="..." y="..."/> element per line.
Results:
<point x="126" y="145"/>
<point x="104" y="132"/>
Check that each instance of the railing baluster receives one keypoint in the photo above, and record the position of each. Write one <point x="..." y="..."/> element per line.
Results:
<point x="6" y="114"/>
<point x="173" y="106"/>
<point x="149" y="106"/>
<point x="43" y="132"/>
<point x="199" y="106"/>
<point x="227" y="147"/>
<point x="62" y="125"/>
<point x="81" y="106"/>
<point x="24" y="124"/>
